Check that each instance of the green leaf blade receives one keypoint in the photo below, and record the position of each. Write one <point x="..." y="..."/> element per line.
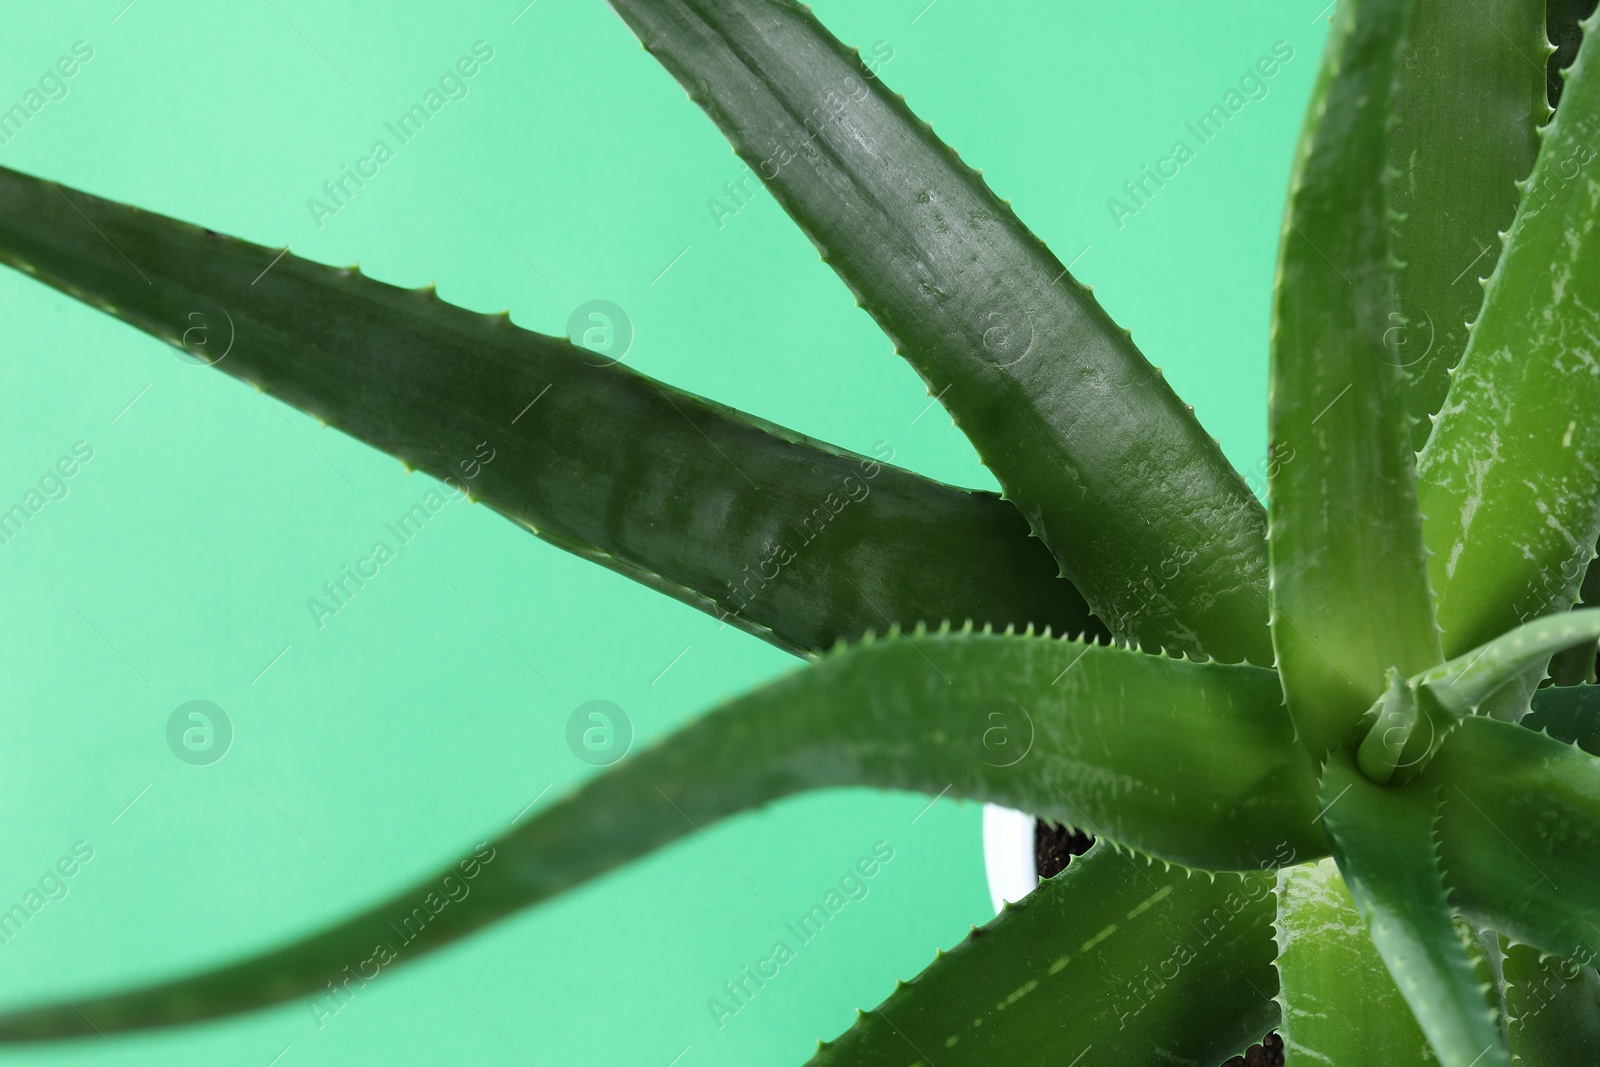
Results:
<point x="1510" y="478"/>
<point x="794" y="540"/>
<point x="1468" y="681"/>
<point x="1191" y="762"/>
<point x="1349" y="578"/>
<point x="1471" y="98"/>
<point x="1519" y="834"/>
<point x="1576" y="665"/>
<point x="1113" y="955"/>
<point x="1112" y="470"/>
<point x="1383" y="840"/>
<point x="1329" y="974"/>
<point x="1418" y="716"/>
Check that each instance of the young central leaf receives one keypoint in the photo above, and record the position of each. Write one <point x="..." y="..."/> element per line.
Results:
<point x="1349" y="578"/>
<point x="1381" y="750"/>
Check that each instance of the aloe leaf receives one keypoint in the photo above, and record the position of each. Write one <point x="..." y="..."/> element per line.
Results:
<point x="1568" y="713"/>
<point x="1554" y="1009"/>
<point x="799" y="542"/>
<point x="1158" y="532"/>
<point x="1466" y="682"/>
<point x="1193" y="763"/>
<point x="1519" y="833"/>
<point x="1330" y="976"/>
<point x="1576" y="665"/>
<point x="1510" y="478"/>
<point x="1349" y="579"/>
<point x="1397" y="714"/>
<point x="1114" y="957"/>
<point x="1470" y="100"/>
<point x="1383" y="840"/>
<point x="1487" y="955"/>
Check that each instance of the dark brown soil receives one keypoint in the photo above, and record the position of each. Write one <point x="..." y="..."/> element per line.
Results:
<point x="1054" y="845"/>
<point x="1267" y="1054"/>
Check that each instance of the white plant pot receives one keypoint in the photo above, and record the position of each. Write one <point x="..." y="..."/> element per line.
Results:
<point x="1008" y="854"/>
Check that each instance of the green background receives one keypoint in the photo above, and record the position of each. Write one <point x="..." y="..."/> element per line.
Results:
<point x="417" y="721"/>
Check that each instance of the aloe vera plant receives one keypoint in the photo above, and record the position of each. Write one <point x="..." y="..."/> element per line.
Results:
<point x="1329" y="794"/>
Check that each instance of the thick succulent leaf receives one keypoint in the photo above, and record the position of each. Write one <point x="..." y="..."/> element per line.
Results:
<point x="1576" y="665"/>
<point x="1487" y="956"/>
<point x="1510" y="478"/>
<point x="1148" y="519"/>
<point x="1471" y="97"/>
<point x="1113" y="960"/>
<point x="1554" y="1009"/>
<point x="1519" y="834"/>
<point x="1383" y="840"/>
<point x="1568" y="713"/>
<point x="1340" y="1007"/>
<point x="1349" y="581"/>
<point x="1191" y="762"/>
<point x="781" y="535"/>
<point x="1397" y="716"/>
<point x="1466" y="682"/>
